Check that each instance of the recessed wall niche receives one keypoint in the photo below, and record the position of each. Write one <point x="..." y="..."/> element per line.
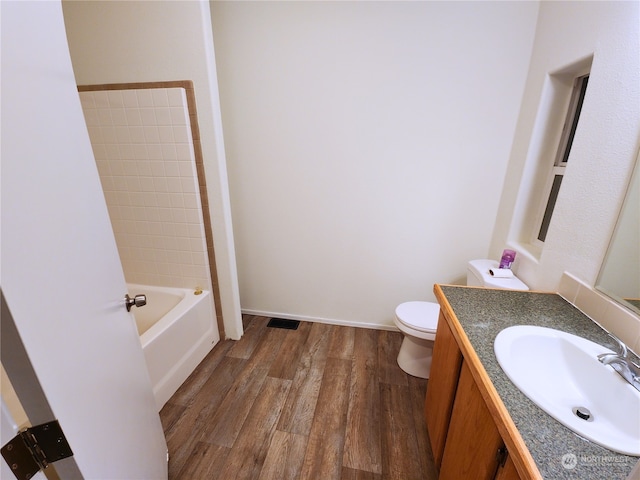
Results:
<point x="146" y="143"/>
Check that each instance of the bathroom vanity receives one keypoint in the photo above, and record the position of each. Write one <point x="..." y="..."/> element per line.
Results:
<point x="480" y="425"/>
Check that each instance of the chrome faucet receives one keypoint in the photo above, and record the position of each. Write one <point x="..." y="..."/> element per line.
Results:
<point x="622" y="364"/>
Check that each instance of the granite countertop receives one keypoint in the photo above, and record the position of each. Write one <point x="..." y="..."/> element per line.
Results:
<point x="483" y="313"/>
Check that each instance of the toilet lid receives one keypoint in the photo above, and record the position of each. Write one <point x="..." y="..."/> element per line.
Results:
<point x="422" y="316"/>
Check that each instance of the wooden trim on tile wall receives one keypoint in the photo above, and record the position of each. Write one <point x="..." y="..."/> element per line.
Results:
<point x="187" y="85"/>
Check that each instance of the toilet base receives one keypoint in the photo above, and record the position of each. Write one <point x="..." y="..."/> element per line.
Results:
<point x="415" y="355"/>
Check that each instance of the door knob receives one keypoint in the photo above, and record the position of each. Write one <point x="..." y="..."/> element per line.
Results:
<point x="137" y="301"/>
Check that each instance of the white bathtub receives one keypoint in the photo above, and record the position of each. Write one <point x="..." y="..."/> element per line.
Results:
<point x="177" y="329"/>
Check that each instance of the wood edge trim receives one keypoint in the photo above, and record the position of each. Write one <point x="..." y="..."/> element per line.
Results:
<point x="524" y="462"/>
<point x="186" y="84"/>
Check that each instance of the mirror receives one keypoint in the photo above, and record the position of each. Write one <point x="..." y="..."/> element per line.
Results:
<point x="620" y="272"/>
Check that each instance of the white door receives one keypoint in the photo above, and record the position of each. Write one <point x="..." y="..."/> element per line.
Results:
<point x="61" y="274"/>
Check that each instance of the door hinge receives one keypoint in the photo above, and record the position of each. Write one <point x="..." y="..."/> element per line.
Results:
<point x="501" y="456"/>
<point x="34" y="448"/>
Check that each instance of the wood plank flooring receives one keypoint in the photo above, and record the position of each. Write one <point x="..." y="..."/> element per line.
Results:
<point x="322" y="402"/>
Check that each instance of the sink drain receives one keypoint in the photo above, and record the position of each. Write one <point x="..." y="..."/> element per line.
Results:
<point x="583" y="413"/>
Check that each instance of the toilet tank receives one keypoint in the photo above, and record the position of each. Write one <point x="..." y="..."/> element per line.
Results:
<point x="478" y="276"/>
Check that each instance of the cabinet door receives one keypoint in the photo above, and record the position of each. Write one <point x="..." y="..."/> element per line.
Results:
<point x="441" y="388"/>
<point x="507" y="471"/>
<point x="473" y="439"/>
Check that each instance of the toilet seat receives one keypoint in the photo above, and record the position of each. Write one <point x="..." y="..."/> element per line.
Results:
<point x="418" y="318"/>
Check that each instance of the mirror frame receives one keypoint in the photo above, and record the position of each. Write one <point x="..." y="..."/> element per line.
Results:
<point x="618" y="253"/>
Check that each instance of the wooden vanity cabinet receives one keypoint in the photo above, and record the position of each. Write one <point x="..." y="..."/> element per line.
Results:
<point x="474" y="447"/>
<point x="445" y="371"/>
<point x="465" y="440"/>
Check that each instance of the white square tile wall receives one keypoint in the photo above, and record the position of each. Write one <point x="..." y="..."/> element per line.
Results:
<point x="144" y="151"/>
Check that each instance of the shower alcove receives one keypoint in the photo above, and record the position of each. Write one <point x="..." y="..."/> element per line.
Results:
<point x="146" y="144"/>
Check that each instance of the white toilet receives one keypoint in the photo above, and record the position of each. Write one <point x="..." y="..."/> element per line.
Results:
<point x="418" y="321"/>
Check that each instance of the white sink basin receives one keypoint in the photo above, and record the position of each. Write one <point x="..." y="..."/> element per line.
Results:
<point x="559" y="372"/>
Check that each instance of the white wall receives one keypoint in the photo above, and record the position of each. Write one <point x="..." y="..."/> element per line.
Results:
<point x="367" y="143"/>
<point x="138" y="41"/>
<point x="605" y="146"/>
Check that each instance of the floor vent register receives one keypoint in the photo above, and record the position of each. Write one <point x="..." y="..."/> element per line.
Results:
<point x="283" y="323"/>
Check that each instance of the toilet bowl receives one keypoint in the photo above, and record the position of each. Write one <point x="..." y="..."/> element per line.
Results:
<point x="418" y="321"/>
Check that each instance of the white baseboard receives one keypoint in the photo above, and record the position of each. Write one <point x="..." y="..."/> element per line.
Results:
<point x="330" y="321"/>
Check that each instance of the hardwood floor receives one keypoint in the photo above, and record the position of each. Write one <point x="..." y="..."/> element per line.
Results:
<point x="321" y="402"/>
